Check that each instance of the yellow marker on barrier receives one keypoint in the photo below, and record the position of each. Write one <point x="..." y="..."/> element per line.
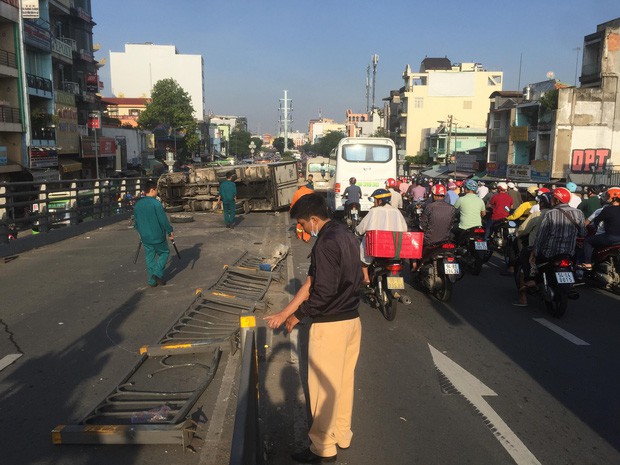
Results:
<point x="144" y="350"/>
<point x="221" y="294"/>
<point x="56" y="434"/>
<point x="198" y="290"/>
<point x="247" y="321"/>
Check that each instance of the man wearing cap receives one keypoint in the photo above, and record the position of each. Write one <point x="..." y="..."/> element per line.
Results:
<point x="500" y="205"/>
<point x="513" y="192"/>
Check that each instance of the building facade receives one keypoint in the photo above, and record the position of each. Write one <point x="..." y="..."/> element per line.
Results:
<point x="126" y="110"/>
<point x="13" y="108"/>
<point x="587" y="129"/>
<point x="135" y="71"/>
<point x="440" y="90"/>
<point x="317" y="128"/>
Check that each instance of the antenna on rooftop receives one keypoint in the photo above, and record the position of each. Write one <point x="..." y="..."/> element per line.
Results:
<point x="375" y="61"/>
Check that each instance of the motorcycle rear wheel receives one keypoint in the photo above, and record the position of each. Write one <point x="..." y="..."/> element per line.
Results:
<point x="388" y="305"/>
<point x="557" y="307"/>
<point x="476" y="268"/>
<point x="444" y="293"/>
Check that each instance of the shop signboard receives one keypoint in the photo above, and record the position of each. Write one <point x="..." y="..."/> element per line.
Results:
<point x="94" y="120"/>
<point x="30" y="9"/>
<point x="518" y="172"/>
<point x="43" y="158"/>
<point x="495" y="169"/>
<point x="466" y="161"/>
<point x="541" y="171"/>
<point x="107" y="147"/>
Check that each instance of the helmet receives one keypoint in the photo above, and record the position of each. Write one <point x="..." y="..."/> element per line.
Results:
<point x="451" y="185"/>
<point x="544" y="200"/>
<point x="614" y="194"/>
<point x="438" y="189"/>
<point x="459" y="183"/>
<point x="562" y="194"/>
<point x="382" y="195"/>
<point x="543" y="190"/>
<point x="532" y="190"/>
<point x="571" y="186"/>
<point x="391" y="182"/>
<point x="471" y="185"/>
<point x="502" y="186"/>
<point x="511" y="185"/>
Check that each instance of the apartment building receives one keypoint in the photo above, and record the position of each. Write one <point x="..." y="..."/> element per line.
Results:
<point x="135" y="71"/>
<point x="13" y="111"/>
<point x="587" y="129"/>
<point x="440" y="89"/>
<point x="317" y="128"/>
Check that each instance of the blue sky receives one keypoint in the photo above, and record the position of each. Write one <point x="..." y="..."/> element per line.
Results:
<point x="318" y="50"/>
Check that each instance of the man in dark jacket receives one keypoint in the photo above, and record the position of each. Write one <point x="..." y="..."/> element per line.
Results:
<point x="330" y="298"/>
<point x="153" y="226"/>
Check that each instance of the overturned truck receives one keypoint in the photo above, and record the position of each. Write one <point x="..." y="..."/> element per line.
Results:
<point x="260" y="187"/>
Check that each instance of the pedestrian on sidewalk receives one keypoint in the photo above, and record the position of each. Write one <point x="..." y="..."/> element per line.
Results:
<point x="153" y="226"/>
<point x="329" y="298"/>
<point x="228" y="196"/>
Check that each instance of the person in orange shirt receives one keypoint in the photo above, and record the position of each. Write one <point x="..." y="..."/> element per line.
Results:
<point x="303" y="190"/>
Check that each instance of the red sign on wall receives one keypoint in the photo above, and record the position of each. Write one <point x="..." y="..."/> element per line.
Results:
<point x="107" y="147"/>
<point x="94" y="120"/>
<point x="589" y="160"/>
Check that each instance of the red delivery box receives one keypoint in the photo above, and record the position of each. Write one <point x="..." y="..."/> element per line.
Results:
<point x="394" y="244"/>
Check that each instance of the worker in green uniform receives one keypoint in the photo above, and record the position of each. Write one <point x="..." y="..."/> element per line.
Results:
<point x="153" y="226"/>
<point x="228" y="195"/>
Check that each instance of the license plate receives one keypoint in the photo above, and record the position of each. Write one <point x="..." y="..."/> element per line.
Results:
<point x="451" y="268"/>
<point x="482" y="245"/>
<point x="395" y="282"/>
<point x="354" y="211"/>
<point x="565" y="277"/>
<point x="511" y="230"/>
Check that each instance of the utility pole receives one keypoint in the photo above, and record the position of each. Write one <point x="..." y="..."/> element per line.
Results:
<point x="285" y="118"/>
<point x="375" y="61"/>
<point x="576" y="49"/>
<point x="367" y="89"/>
<point x="449" y="137"/>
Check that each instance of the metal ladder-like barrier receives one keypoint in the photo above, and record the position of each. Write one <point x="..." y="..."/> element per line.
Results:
<point x="151" y="405"/>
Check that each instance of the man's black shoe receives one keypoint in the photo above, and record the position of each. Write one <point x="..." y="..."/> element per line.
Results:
<point x="159" y="281"/>
<point x="307" y="456"/>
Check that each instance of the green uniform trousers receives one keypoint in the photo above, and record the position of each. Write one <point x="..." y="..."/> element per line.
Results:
<point x="229" y="212"/>
<point x="156" y="258"/>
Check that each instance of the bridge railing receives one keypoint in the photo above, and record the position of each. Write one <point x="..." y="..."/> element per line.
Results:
<point x="54" y="204"/>
<point x="247" y="444"/>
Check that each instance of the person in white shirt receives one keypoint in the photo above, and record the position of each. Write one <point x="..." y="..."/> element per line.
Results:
<point x="575" y="200"/>
<point x="382" y="217"/>
<point x="397" y="198"/>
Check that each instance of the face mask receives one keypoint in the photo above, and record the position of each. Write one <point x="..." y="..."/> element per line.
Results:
<point x="314" y="233"/>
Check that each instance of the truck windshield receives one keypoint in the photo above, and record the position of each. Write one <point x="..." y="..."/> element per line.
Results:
<point x="366" y="153"/>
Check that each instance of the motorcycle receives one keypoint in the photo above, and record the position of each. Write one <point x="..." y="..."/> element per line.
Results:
<point x="510" y="249"/>
<point x="605" y="272"/>
<point x="438" y="270"/>
<point x="386" y="286"/>
<point x="352" y="217"/>
<point x="554" y="283"/>
<point x="472" y="249"/>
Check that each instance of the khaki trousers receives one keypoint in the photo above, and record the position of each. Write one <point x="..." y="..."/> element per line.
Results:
<point x="333" y="350"/>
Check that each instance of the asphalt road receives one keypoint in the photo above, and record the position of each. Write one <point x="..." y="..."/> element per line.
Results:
<point x="474" y="381"/>
<point x="79" y="310"/>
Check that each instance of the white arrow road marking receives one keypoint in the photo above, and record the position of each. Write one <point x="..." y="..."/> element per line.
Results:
<point x="565" y="334"/>
<point x="473" y="389"/>
<point x="6" y="361"/>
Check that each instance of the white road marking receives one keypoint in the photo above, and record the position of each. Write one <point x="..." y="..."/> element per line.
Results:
<point x="213" y="437"/>
<point x="562" y="332"/>
<point x="7" y="360"/>
<point x="473" y="390"/>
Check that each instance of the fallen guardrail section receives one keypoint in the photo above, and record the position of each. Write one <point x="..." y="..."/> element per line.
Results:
<point x="152" y="403"/>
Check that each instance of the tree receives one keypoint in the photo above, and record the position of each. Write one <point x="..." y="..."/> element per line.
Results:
<point x="549" y="101"/>
<point x="240" y="143"/>
<point x="278" y="144"/>
<point x="258" y="142"/>
<point x="171" y="107"/>
<point x="328" y="142"/>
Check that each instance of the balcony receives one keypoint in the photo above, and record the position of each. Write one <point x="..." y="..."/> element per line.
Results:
<point x="84" y="55"/>
<point x="44" y="137"/>
<point x="8" y="59"/>
<point x="38" y="86"/>
<point x="62" y="50"/>
<point x="70" y="87"/>
<point x="37" y="34"/>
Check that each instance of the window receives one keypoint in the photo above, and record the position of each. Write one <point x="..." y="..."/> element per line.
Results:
<point x="495" y="80"/>
<point x="467" y="104"/>
<point x="134" y="112"/>
<point x="367" y="153"/>
<point x="418" y="102"/>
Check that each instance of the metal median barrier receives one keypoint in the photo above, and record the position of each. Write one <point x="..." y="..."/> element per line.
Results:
<point x="153" y="405"/>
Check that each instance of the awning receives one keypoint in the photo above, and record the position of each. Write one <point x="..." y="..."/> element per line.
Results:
<point x="45" y="149"/>
<point x="69" y="166"/>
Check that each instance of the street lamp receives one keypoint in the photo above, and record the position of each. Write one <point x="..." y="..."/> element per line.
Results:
<point x="252" y="146"/>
